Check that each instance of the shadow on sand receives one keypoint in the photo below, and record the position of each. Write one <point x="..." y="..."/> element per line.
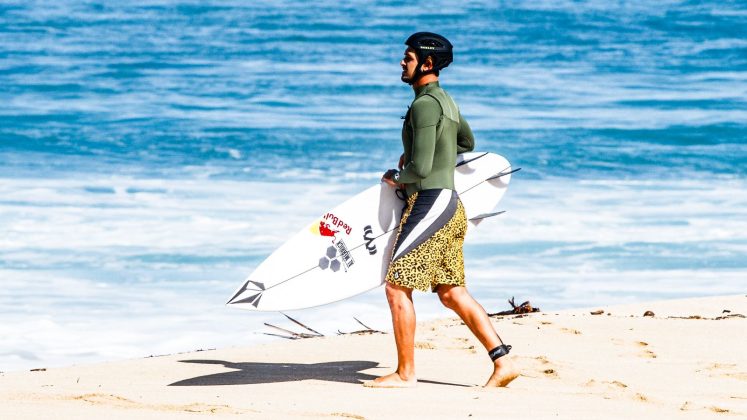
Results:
<point x="264" y="373"/>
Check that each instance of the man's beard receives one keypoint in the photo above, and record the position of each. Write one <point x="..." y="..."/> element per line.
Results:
<point x="405" y="78"/>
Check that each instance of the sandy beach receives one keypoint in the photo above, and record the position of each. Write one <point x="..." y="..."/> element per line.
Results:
<point x="685" y="361"/>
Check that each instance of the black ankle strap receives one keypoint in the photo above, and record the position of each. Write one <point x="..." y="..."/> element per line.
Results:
<point x="499" y="351"/>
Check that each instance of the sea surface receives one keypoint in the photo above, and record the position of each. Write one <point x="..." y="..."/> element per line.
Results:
<point x="152" y="153"/>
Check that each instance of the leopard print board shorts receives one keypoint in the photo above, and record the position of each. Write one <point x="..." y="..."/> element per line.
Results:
<point x="428" y="248"/>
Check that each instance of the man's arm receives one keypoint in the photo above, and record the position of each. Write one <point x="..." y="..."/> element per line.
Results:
<point x="425" y="114"/>
<point x="388" y="175"/>
<point x="465" y="139"/>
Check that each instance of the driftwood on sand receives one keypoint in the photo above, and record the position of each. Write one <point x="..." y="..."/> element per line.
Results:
<point x="524" y="308"/>
<point x="292" y="335"/>
<point x="367" y="330"/>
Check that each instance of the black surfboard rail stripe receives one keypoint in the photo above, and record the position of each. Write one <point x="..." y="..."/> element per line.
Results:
<point x="351" y="249"/>
<point x="501" y="173"/>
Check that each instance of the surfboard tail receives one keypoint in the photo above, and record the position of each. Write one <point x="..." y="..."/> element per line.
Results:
<point x="250" y="292"/>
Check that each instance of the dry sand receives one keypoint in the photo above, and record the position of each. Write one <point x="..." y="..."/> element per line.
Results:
<point x="575" y="365"/>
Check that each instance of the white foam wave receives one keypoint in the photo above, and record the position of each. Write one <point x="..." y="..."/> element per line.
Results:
<point x="154" y="260"/>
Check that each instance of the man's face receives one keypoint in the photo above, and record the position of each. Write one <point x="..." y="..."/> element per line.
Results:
<point x="409" y="63"/>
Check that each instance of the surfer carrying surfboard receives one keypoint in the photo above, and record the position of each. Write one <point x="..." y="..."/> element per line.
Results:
<point x="427" y="253"/>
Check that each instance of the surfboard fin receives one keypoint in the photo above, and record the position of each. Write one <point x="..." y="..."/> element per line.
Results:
<point x="464" y="162"/>
<point x="500" y="174"/>
<point x="503" y="172"/>
<point x="485" y="216"/>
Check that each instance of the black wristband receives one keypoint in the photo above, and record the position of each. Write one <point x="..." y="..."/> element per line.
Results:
<point x="499" y="351"/>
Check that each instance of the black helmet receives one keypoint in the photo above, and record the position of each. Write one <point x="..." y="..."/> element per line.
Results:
<point x="429" y="44"/>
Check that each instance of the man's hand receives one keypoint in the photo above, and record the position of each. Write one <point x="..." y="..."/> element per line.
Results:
<point x="388" y="178"/>
<point x="401" y="162"/>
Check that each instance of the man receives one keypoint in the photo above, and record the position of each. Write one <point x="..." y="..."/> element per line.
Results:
<point x="428" y="250"/>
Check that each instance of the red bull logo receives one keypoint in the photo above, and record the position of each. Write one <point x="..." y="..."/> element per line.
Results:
<point x="335" y="221"/>
<point x="325" y="230"/>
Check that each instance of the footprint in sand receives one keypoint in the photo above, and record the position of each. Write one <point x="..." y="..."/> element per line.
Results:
<point x="425" y="345"/>
<point x="461" y="343"/>
<point x="112" y="400"/>
<point x="648" y="354"/>
<point x="545" y="367"/>
<point x="348" y="416"/>
<point x="550" y="373"/>
<point x="718" y="409"/>
<point x="688" y="406"/>
<point x="728" y="370"/>
<point x="645" y="352"/>
<point x="610" y="389"/>
<point x="571" y="331"/>
<point x="611" y="385"/>
<point x="640" y="397"/>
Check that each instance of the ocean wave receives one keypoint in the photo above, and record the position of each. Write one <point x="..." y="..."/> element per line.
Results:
<point x="151" y="257"/>
<point x="154" y="153"/>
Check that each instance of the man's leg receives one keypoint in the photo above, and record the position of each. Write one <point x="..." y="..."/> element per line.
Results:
<point x="474" y="316"/>
<point x="403" y="320"/>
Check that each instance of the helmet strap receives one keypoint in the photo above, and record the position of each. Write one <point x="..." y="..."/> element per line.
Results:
<point x="419" y="73"/>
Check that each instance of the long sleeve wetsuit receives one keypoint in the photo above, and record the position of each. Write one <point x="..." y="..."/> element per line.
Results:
<point x="433" y="133"/>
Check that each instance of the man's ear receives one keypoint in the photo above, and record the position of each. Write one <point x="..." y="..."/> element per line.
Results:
<point x="428" y="64"/>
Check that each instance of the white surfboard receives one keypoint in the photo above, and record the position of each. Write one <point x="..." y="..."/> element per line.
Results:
<point x="346" y="251"/>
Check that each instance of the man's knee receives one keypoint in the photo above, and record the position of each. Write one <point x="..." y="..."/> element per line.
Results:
<point x="395" y="294"/>
<point x="449" y="296"/>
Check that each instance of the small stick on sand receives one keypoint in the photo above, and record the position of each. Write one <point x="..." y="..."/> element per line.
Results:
<point x="368" y="330"/>
<point x="294" y="335"/>
<point x="304" y="326"/>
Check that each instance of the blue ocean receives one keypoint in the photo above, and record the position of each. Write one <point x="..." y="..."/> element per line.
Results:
<point x="153" y="153"/>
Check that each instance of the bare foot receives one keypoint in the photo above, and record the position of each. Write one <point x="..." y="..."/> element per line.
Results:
<point x="504" y="372"/>
<point x="393" y="380"/>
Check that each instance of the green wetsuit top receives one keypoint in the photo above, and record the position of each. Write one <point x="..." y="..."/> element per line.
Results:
<point x="433" y="133"/>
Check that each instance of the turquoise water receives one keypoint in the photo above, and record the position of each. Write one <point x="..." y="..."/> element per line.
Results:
<point x="151" y="155"/>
